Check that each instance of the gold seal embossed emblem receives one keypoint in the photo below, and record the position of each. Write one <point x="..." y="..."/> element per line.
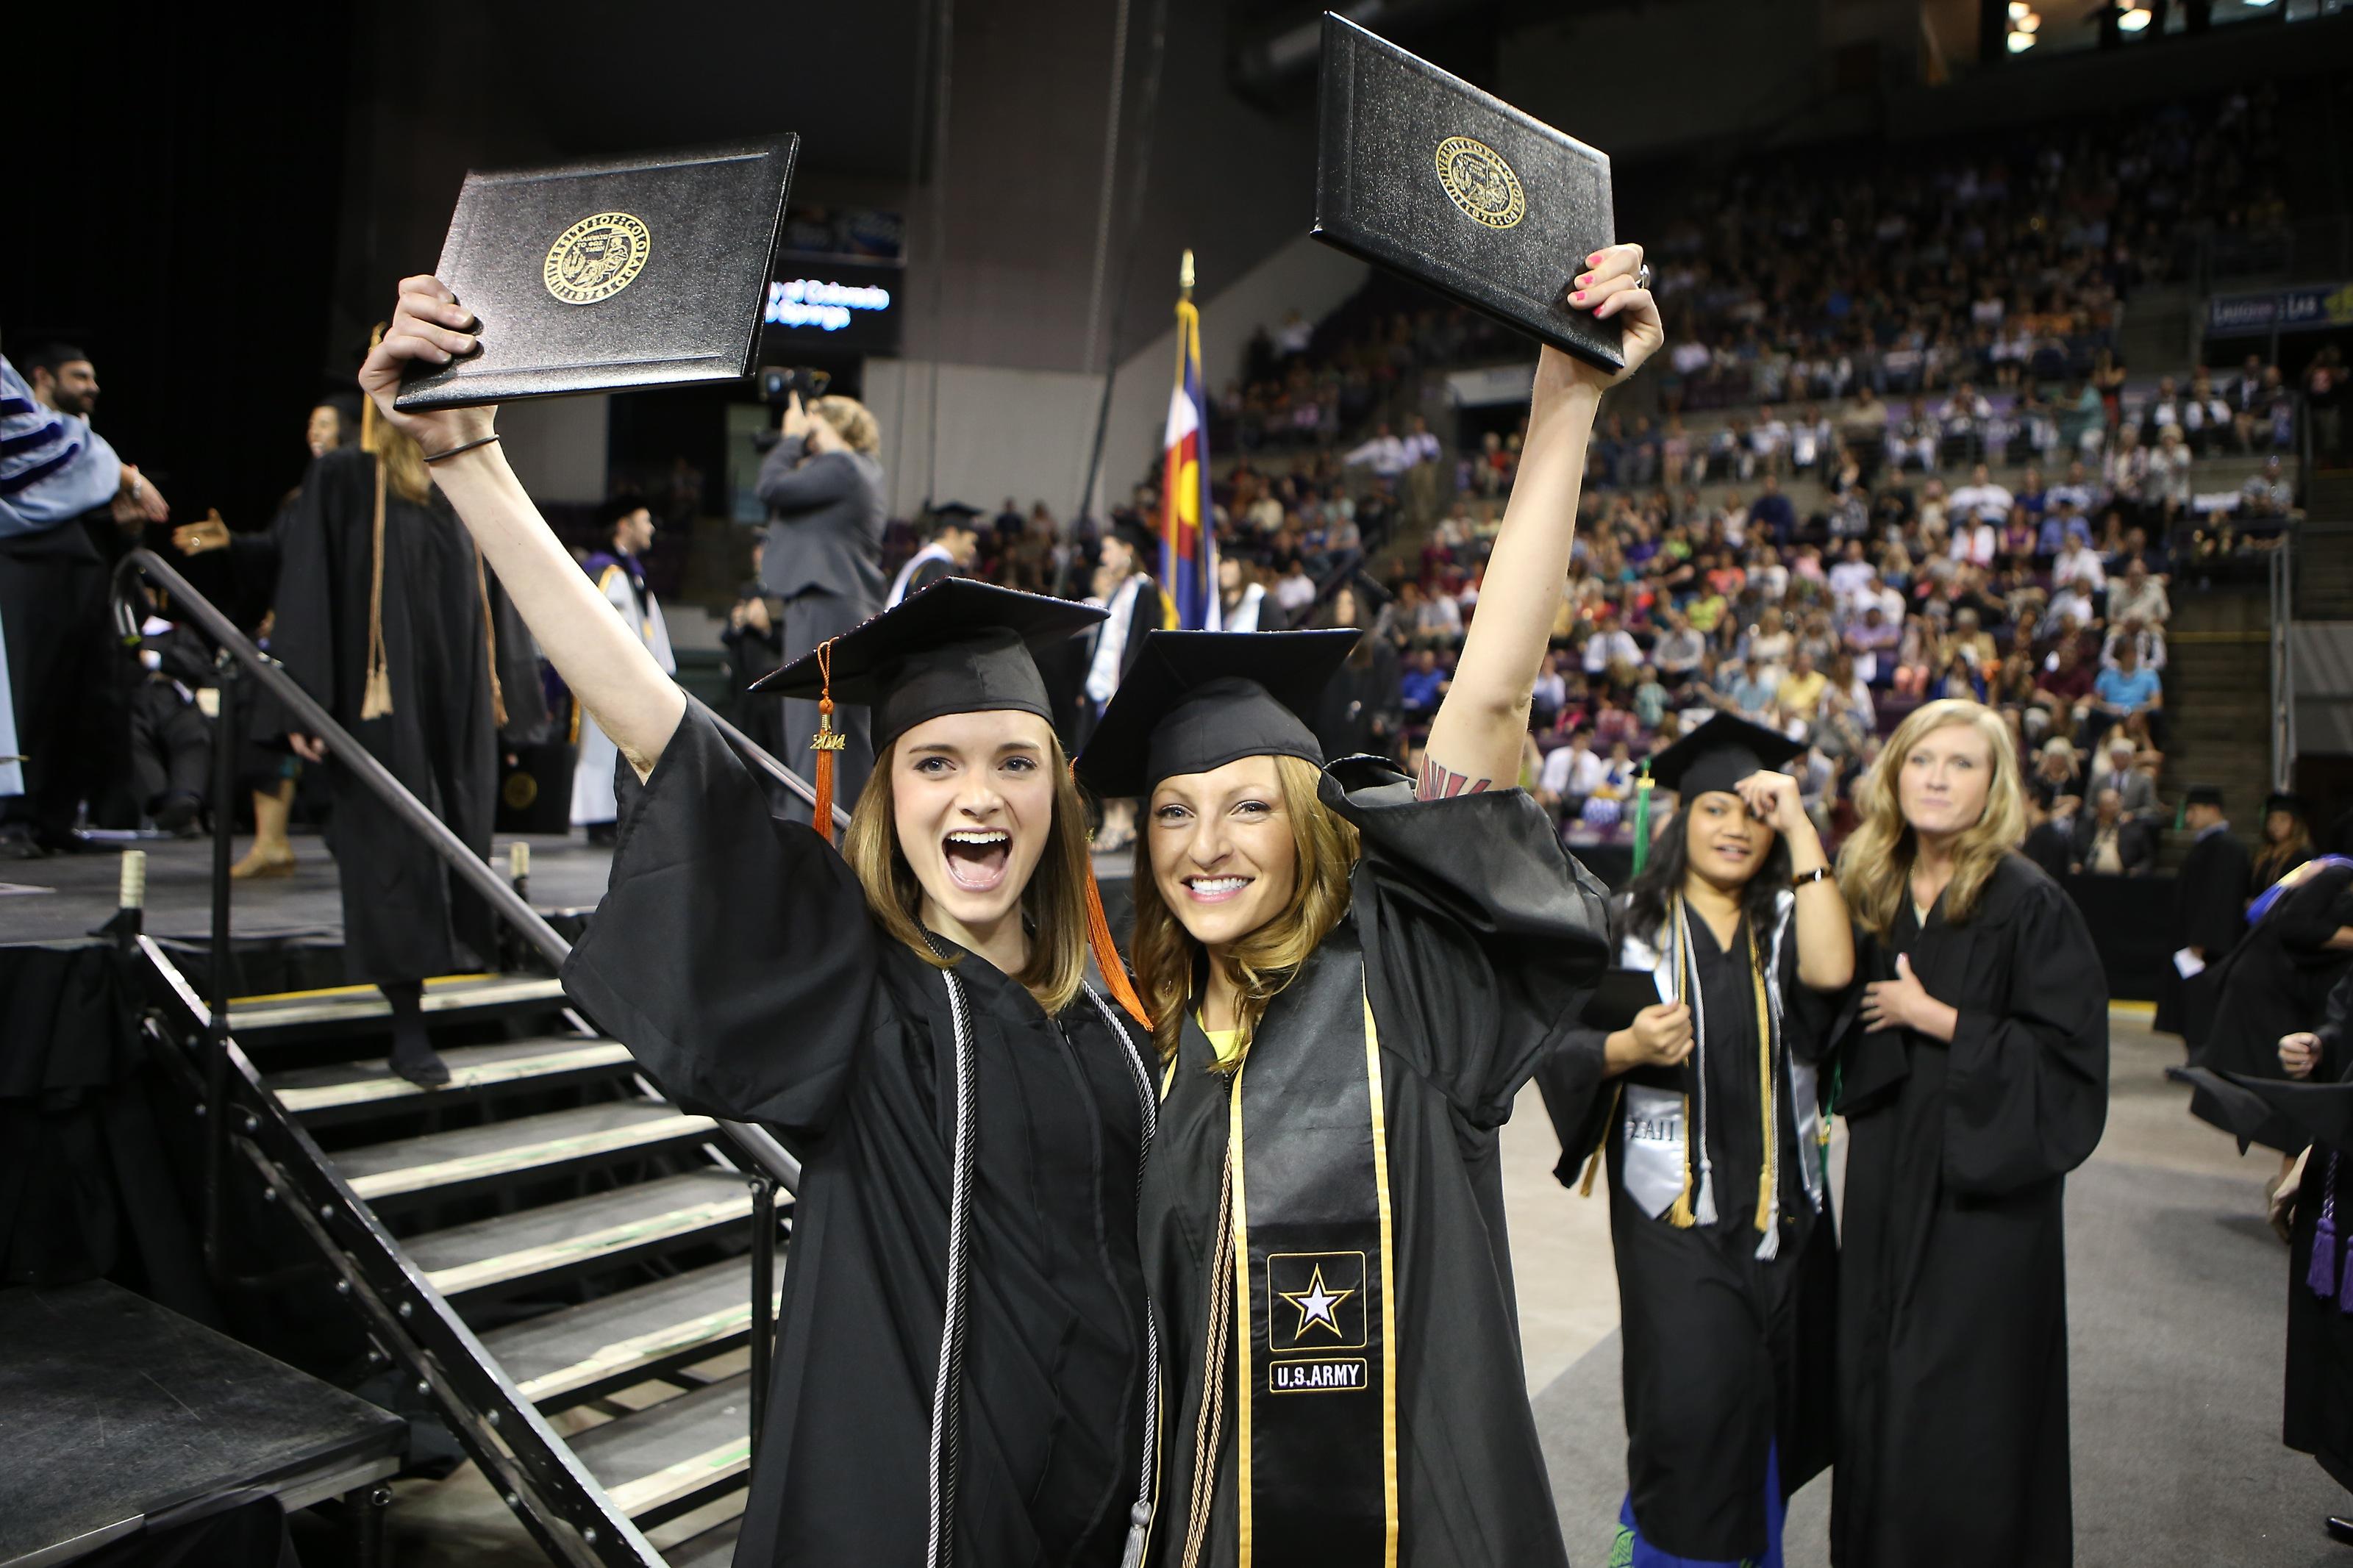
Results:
<point x="596" y="257"/>
<point x="1480" y="183"/>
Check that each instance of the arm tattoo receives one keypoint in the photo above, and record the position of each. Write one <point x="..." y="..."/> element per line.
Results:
<point x="1437" y="783"/>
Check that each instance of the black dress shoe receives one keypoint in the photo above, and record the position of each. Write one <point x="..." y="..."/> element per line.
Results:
<point x="177" y="810"/>
<point x="2340" y="1529"/>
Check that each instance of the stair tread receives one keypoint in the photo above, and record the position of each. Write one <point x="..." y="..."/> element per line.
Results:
<point x="344" y="1085"/>
<point x="549" y="1357"/>
<point x="715" y="1548"/>
<point x="346" y="1006"/>
<point x="579" y="1231"/>
<point x="437" y="1160"/>
<point x="660" y="1456"/>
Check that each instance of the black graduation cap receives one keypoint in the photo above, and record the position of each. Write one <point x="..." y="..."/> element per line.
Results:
<point x="1719" y="754"/>
<point x="1197" y="701"/>
<point x="947" y="509"/>
<point x="1137" y="535"/>
<point x="2283" y="800"/>
<point x="956" y="646"/>
<point x="2203" y="794"/>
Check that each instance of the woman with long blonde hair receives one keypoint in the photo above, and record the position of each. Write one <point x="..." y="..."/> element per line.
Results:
<point x="960" y="1369"/>
<point x="1351" y="974"/>
<point x="1976" y="1080"/>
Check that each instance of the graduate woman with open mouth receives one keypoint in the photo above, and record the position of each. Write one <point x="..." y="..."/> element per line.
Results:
<point x="1350" y="976"/>
<point x="960" y="1357"/>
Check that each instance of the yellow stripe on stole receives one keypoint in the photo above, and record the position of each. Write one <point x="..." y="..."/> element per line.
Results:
<point x="1241" y="1221"/>
<point x="1388" y="1286"/>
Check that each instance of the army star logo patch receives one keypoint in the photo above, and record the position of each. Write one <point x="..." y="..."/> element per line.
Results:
<point x="1314" y="1301"/>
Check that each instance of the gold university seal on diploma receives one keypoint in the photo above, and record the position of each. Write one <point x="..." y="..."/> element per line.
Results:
<point x="1481" y="183"/>
<point x="596" y="257"/>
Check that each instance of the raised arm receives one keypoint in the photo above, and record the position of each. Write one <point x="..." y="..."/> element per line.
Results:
<point x="1474" y="742"/>
<point x="599" y="657"/>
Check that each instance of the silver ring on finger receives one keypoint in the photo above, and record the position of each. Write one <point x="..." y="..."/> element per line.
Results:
<point x="1642" y="278"/>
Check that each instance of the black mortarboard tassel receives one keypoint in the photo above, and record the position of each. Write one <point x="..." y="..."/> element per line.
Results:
<point x="1718" y="756"/>
<point x="1197" y="701"/>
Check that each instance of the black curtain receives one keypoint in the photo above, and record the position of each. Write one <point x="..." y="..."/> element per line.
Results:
<point x="174" y="176"/>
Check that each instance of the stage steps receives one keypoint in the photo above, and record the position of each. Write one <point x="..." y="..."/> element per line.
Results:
<point x="593" y="1240"/>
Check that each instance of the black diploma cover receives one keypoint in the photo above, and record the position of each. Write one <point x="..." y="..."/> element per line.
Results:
<point x="1421" y="173"/>
<point x="1316" y="1448"/>
<point x="644" y="271"/>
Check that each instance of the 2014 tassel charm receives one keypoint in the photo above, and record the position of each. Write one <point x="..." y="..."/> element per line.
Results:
<point x="825" y="744"/>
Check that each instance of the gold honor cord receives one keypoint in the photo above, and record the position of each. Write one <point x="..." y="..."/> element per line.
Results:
<point x="1237" y="1238"/>
<point x="1388" y="1285"/>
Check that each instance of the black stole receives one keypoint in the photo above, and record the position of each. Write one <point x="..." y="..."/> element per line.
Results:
<point x="1317" y="1450"/>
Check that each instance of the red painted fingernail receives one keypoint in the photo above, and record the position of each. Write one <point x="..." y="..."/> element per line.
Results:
<point x="1578" y="297"/>
<point x="1592" y="258"/>
<point x="1583" y="279"/>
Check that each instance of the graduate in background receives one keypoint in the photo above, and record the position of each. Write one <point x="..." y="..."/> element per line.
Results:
<point x="950" y="552"/>
<point x="2299" y="940"/>
<point x="618" y="568"/>
<point x="1976" y="1080"/>
<point x="1351" y="975"/>
<point x="962" y="1354"/>
<point x="385" y="616"/>
<point x="1727" y="1272"/>
<point x="2210" y="895"/>
<point x="2310" y="1110"/>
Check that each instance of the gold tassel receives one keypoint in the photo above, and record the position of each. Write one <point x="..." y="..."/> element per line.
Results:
<point x="376" y="697"/>
<point x="825" y="741"/>
<point x="490" y="641"/>
<point x="1679" y="1212"/>
<point x="1593" y="1161"/>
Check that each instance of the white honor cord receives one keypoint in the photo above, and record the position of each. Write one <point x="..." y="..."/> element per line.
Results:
<point x="948" y="1387"/>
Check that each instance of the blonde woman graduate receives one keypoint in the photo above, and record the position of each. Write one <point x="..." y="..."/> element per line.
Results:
<point x="1706" y="1108"/>
<point x="1976" y="1078"/>
<point x="961" y="1356"/>
<point x="1351" y="974"/>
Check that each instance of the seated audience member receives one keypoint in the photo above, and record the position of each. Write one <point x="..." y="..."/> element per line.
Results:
<point x="2108" y="842"/>
<point x="1421" y="685"/>
<point x="1570" y="774"/>
<point x="2127" y="688"/>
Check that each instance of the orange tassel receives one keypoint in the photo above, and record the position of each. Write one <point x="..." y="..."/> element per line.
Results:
<point x="1106" y="952"/>
<point x="825" y="742"/>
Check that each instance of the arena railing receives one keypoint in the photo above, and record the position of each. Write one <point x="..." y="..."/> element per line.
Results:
<point x="238" y="658"/>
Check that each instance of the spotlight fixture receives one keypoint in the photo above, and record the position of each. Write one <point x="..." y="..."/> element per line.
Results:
<point x="2027" y="24"/>
<point x="2019" y="9"/>
<point x="2020" y="42"/>
<point x="2135" y="18"/>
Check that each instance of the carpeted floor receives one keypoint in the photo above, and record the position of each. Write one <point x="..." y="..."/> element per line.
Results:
<point x="2177" y="1460"/>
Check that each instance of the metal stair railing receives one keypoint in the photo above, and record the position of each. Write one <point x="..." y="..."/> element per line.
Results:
<point x="537" y="1475"/>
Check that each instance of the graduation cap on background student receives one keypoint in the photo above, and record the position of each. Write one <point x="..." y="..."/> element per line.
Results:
<point x="2203" y="794"/>
<point x="957" y="647"/>
<point x="2284" y="800"/>
<point x="1197" y="701"/>
<point x="1719" y="754"/>
<point x="1715" y="756"/>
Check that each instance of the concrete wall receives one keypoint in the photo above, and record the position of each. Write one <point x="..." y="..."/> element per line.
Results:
<point x="1025" y="432"/>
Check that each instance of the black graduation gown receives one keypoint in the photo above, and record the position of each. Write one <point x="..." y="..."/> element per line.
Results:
<point x="1359" y="709"/>
<point x="1480" y="940"/>
<point x="1952" y="1430"/>
<point x="2210" y="913"/>
<point x="734" y="953"/>
<point x="2276" y="979"/>
<point x="1726" y="1354"/>
<point x="2317" y="1409"/>
<point x="406" y="914"/>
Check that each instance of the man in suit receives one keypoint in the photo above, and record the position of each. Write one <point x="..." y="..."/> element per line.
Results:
<point x="2109" y="841"/>
<point x="823" y="488"/>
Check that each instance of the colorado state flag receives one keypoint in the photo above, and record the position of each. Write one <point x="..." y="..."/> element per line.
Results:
<point x="1188" y="543"/>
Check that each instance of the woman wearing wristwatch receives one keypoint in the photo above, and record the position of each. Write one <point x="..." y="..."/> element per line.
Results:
<point x="1716" y="1148"/>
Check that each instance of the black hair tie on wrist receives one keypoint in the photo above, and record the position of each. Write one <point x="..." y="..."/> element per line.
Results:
<point x="462" y="447"/>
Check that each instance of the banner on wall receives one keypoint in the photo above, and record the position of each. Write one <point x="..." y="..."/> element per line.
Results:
<point x="2307" y="308"/>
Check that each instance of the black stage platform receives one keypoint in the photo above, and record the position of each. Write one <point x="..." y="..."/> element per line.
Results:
<point x="123" y="1418"/>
